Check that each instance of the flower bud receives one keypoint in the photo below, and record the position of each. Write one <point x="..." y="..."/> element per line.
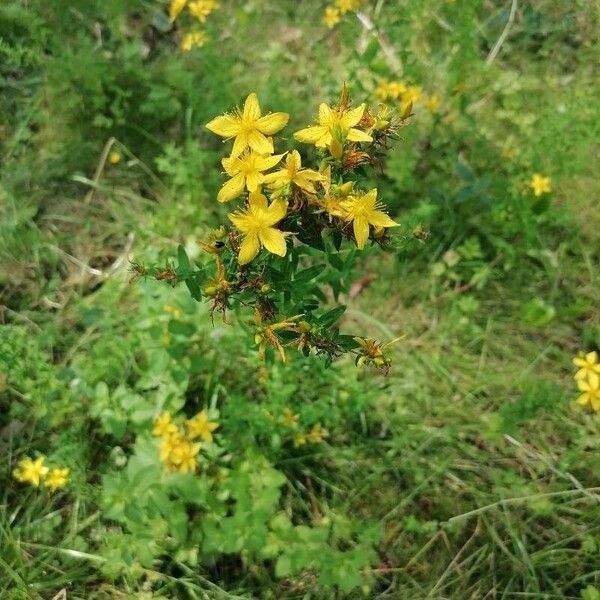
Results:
<point x="265" y="288"/>
<point x="211" y="291"/>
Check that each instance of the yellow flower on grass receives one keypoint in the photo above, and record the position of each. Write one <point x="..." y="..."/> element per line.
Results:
<point x="257" y="224"/>
<point x="163" y="425"/>
<point x="175" y="8"/>
<point x="114" y="158"/>
<point x="433" y="103"/>
<point x="193" y="39"/>
<point x="31" y="471"/>
<point x="338" y="124"/>
<point x="293" y="173"/>
<point x="202" y="8"/>
<point x="588" y="368"/>
<point x="540" y="185"/>
<point x="249" y="128"/>
<point x="56" y="479"/>
<point x="246" y="171"/>
<point x="316" y="434"/>
<point x="201" y="427"/>
<point x="299" y="439"/>
<point x="364" y="210"/>
<point x="184" y="456"/>
<point x="395" y="89"/>
<point x="169" y="445"/>
<point x="590" y="395"/>
<point x="331" y="17"/>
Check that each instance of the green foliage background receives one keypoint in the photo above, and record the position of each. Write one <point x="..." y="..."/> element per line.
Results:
<point x="468" y="472"/>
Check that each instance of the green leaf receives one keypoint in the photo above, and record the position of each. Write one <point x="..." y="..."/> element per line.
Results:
<point x="332" y="316"/>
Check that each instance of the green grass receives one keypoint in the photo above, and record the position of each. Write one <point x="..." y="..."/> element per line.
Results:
<point x="471" y="457"/>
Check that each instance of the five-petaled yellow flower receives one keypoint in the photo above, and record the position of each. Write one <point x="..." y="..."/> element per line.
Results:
<point x="293" y="173"/>
<point x="588" y="368"/>
<point x="163" y="425"/>
<point x="246" y="171"/>
<point x="590" y="395"/>
<point x="334" y="124"/>
<point x="31" y="471"/>
<point x="331" y="17"/>
<point x="345" y="6"/>
<point x="201" y="427"/>
<point x="316" y="434"/>
<point x="56" y="479"/>
<point x="249" y="128"/>
<point x="184" y="456"/>
<point x="257" y="224"/>
<point x="540" y="185"/>
<point x="363" y="210"/>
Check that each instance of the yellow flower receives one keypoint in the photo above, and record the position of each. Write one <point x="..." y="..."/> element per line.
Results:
<point x="175" y="8"/>
<point x="193" y="39"/>
<point x="331" y="17"/>
<point x="202" y="8"/>
<point x="56" y="479"/>
<point x="316" y="434"/>
<point x="588" y="368"/>
<point x="289" y="419"/>
<point x="396" y="89"/>
<point x="257" y="224"/>
<point x="433" y="103"/>
<point x="540" y="185"/>
<point x="345" y="6"/>
<point x="591" y="394"/>
<point x="249" y="128"/>
<point x="293" y="173"/>
<point x="163" y="425"/>
<point x="299" y="439"/>
<point x="201" y="427"/>
<point x="412" y="94"/>
<point x="114" y="158"/>
<point x="184" y="456"/>
<point x="246" y="171"/>
<point x="169" y="445"/>
<point x="31" y="471"/>
<point x="334" y="124"/>
<point x="363" y="210"/>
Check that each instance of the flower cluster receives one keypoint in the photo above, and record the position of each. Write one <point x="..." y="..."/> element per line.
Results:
<point x="588" y="379"/>
<point x="333" y="14"/>
<point x="287" y="213"/>
<point x="178" y="446"/>
<point x="199" y="11"/>
<point x="35" y="472"/>
<point x="407" y="95"/>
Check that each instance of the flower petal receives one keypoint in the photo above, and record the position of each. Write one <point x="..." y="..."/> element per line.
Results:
<point x="231" y="189"/>
<point x="380" y="219"/>
<point x="258" y="202"/>
<point x="310" y="135"/>
<point x="253" y="181"/>
<point x="302" y="181"/>
<point x="226" y="126"/>
<point x="592" y="357"/>
<point x="273" y="240"/>
<point x="352" y="117"/>
<point x="240" y="144"/>
<point x="326" y="115"/>
<point x="267" y="162"/>
<point x="276" y="211"/>
<point x="355" y="135"/>
<point x="240" y="220"/>
<point x="248" y="249"/>
<point x="583" y="399"/>
<point x="293" y="161"/>
<point x="251" y="108"/>
<point x="231" y="165"/>
<point x="257" y="141"/>
<point x="272" y="123"/>
<point x="361" y="231"/>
